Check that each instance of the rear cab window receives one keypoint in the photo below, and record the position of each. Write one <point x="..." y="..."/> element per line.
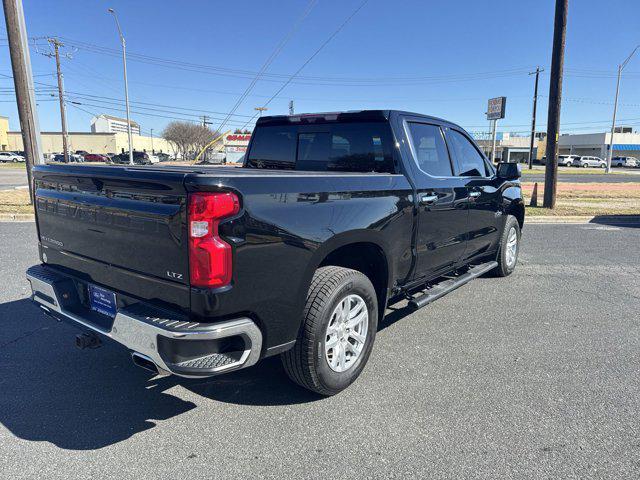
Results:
<point x="346" y="147"/>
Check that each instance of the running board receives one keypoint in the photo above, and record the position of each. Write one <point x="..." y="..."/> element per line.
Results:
<point x="441" y="289"/>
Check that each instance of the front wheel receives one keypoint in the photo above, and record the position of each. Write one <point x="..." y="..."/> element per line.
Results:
<point x="337" y="332"/>
<point x="509" y="248"/>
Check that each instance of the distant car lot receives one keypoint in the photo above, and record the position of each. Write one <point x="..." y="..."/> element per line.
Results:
<point x="534" y="376"/>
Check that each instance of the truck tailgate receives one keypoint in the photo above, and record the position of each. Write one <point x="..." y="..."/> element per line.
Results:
<point x="130" y="221"/>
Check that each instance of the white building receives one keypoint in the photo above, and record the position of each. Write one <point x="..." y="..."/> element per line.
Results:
<point x="107" y="124"/>
<point x="597" y="144"/>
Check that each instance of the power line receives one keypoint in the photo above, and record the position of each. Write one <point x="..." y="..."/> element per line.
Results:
<point x="268" y="62"/>
<point x="303" y="80"/>
<point x="313" y="55"/>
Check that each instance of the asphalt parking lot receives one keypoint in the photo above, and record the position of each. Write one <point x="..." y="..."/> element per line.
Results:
<point x="533" y="376"/>
<point x="12" y="177"/>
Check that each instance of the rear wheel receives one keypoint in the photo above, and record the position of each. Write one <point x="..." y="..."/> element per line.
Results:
<point x="337" y="333"/>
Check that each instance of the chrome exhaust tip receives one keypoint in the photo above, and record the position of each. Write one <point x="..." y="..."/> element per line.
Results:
<point x="145" y="362"/>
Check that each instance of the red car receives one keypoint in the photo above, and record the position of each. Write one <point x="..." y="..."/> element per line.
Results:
<point x="95" y="157"/>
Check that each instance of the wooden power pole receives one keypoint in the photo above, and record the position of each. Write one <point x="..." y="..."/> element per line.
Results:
<point x="533" y="116"/>
<point x="23" y="81"/>
<point x="555" y="98"/>
<point x="63" y="114"/>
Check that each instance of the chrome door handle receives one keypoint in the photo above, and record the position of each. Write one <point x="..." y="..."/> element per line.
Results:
<point x="428" y="199"/>
<point x="475" y="193"/>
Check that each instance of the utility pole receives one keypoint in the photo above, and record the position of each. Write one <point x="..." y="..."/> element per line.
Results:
<point x="205" y="121"/>
<point x="126" y="83"/>
<point x="290" y="107"/>
<point x="23" y="81"/>
<point x="260" y="110"/>
<point x="63" y="114"/>
<point x="152" y="151"/>
<point x="555" y="99"/>
<point x="533" y="118"/>
<point x="615" y="108"/>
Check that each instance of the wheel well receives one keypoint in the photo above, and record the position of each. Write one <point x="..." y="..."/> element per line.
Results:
<point x="367" y="258"/>
<point x="517" y="210"/>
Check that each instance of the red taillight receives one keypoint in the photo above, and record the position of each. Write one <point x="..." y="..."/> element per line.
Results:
<point x="210" y="262"/>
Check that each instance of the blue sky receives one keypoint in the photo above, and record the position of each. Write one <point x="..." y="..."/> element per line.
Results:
<point x="440" y="58"/>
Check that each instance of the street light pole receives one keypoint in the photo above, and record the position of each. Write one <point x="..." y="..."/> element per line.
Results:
<point x="615" y="108"/>
<point x="152" y="151"/>
<point x="126" y="85"/>
<point x="260" y="110"/>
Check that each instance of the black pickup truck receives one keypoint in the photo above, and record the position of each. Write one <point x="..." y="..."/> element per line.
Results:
<point x="201" y="270"/>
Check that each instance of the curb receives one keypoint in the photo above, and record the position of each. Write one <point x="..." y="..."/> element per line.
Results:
<point x="583" y="219"/>
<point x="17" y="217"/>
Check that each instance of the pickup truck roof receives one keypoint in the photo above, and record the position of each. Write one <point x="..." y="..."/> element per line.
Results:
<point x="345" y="116"/>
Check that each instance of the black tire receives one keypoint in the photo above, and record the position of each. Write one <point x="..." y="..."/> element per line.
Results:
<point x="306" y="363"/>
<point x="506" y="268"/>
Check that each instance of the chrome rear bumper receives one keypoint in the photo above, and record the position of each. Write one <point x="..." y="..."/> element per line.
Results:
<point x="173" y="344"/>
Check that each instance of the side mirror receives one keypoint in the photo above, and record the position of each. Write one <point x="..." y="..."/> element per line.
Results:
<point x="509" y="171"/>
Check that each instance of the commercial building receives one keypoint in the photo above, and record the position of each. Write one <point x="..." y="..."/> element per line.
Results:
<point x="90" y="142"/>
<point x="235" y="146"/>
<point x="108" y="124"/>
<point x="625" y="144"/>
<point x="4" y="137"/>
<point x="511" y="147"/>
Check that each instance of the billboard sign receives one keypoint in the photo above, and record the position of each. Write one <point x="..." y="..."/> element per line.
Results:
<point x="496" y="108"/>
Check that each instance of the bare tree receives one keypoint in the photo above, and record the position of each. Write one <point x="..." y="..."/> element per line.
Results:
<point x="187" y="139"/>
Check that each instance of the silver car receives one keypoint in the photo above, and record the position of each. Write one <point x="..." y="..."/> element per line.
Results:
<point x="624" y="162"/>
<point x="586" y="161"/>
<point x="11" y="157"/>
<point x="567" y="160"/>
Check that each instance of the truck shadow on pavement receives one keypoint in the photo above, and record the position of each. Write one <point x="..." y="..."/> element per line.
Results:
<point x="84" y="400"/>
<point x="627" y="221"/>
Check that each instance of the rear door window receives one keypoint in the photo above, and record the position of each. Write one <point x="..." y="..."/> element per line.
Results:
<point x="469" y="161"/>
<point x="430" y="149"/>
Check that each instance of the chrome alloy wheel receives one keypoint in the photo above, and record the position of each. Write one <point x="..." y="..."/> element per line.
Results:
<point x="511" y="247"/>
<point x="346" y="333"/>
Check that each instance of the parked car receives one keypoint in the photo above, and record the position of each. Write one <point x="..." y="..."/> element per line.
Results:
<point x="630" y="162"/>
<point x="204" y="270"/>
<point x="587" y="161"/>
<point x="567" y="160"/>
<point x="73" y="158"/>
<point x="10" y="157"/>
<point x="139" y="158"/>
<point x="95" y="157"/>
<point x="163" y="157"/>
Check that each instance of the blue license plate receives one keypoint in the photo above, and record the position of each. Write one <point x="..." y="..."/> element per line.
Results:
<point x="102" y="301"/>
